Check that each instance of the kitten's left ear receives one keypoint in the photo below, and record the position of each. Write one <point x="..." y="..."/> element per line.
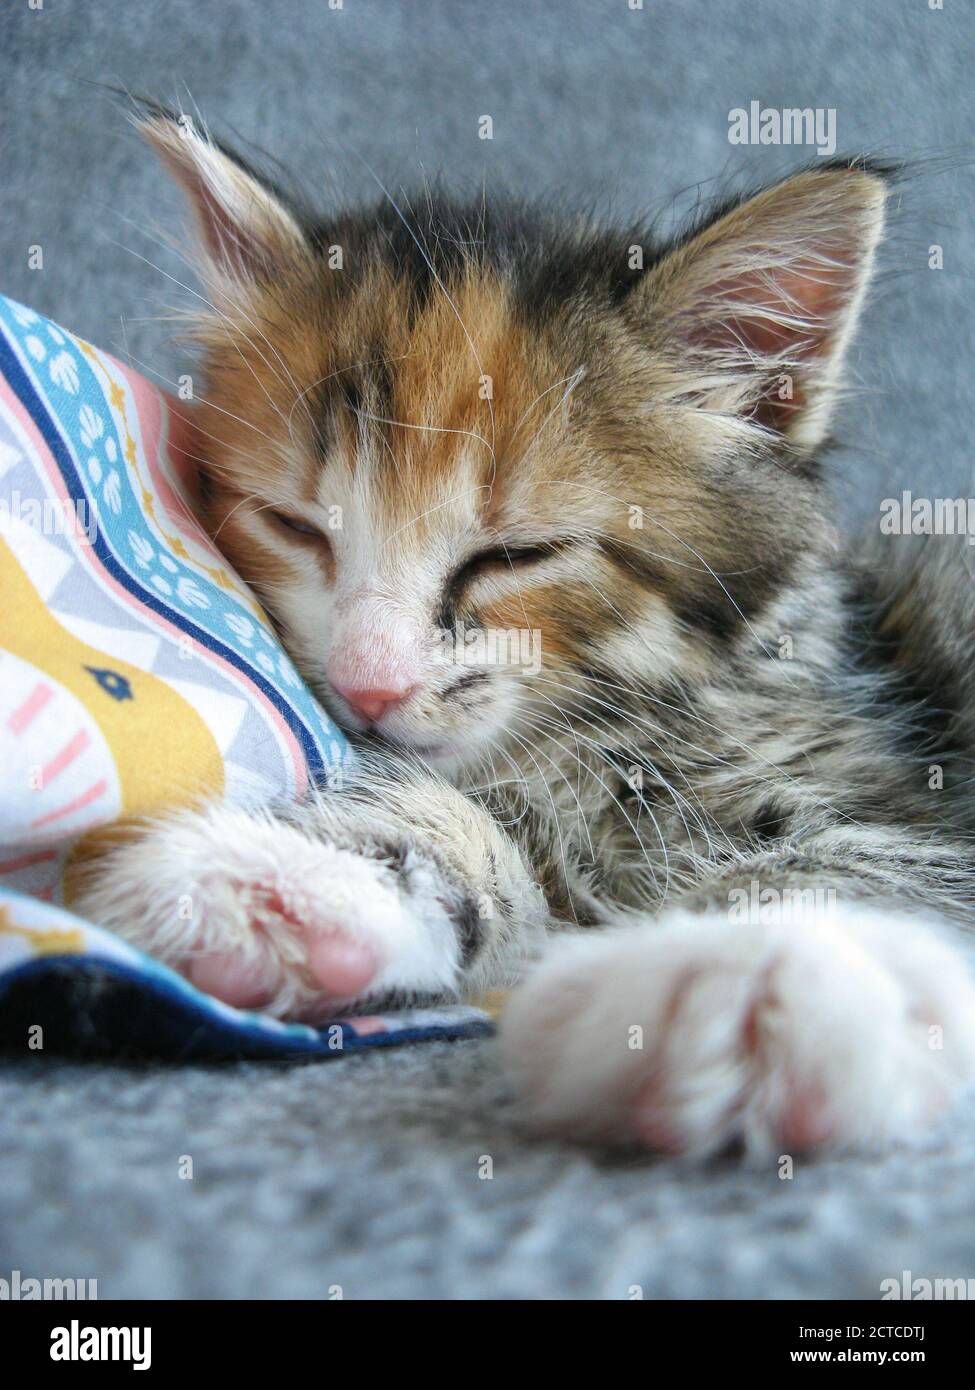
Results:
<point x="247" y="232"/>
<point x="756" y="310"/>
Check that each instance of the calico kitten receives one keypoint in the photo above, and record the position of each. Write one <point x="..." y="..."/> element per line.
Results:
<point x="710" y="777"/>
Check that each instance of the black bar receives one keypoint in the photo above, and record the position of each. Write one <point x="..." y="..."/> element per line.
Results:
<point x="252" y="1337"/>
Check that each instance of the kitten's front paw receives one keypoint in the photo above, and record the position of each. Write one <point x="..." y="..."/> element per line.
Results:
<point x="259" y="915"/>
<point x="694" y="1033"/>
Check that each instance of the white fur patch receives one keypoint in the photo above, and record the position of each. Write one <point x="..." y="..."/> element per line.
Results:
<point x="225" y="882"/>
<point x="695" y="1032"/>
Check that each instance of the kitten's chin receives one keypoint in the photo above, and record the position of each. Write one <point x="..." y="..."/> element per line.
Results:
<point x="433" y="751"/>
<point x="444" y="757"/>
<point x="450" y="758"/>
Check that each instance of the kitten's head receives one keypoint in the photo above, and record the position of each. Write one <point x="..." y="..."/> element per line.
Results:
<point x="467" y="456"/>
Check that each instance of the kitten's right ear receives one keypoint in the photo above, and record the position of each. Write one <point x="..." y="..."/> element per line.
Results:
<point x="757" y="307"/>
<point x="248" y="235"/>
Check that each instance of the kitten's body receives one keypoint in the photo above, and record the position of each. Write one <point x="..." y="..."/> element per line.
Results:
<point x="727" y="752"/>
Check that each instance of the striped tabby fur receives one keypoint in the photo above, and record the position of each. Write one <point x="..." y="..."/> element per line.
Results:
<point x="746" y="751"/>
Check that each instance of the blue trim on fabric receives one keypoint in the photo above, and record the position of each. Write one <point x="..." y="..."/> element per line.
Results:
<point x="11" y="368"/>
<point x="215" y="1036"/>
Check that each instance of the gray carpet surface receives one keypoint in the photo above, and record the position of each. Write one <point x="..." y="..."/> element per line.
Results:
<point x="363" y="1172"/>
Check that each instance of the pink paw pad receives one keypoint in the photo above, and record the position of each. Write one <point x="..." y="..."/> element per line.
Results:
<point x="652" y="1122"/>
<point x="243" y="983"/>
<point x="806" y="1121"/>
<point x="340" y="967"/>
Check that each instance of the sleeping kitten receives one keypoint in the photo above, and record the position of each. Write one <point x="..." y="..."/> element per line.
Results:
<point x="704" y="760"/>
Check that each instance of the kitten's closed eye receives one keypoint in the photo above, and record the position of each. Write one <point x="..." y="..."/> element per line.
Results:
<point x="297" y="526"/>
<point x="512" y="556"/>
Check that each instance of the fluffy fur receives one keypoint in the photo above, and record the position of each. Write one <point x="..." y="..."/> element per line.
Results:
<point x="435" y="419"/>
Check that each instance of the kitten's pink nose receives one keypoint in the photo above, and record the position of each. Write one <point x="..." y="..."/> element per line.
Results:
<point x="371" y="703"/>
<point x="374" y="663"/>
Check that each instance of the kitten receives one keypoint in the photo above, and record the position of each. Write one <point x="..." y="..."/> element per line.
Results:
<point x="718" y="749"/>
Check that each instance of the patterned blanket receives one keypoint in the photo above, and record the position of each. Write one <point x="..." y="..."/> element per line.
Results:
<point x="135" y="669"/>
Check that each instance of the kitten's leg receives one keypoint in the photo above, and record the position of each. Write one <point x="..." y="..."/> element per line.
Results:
<point x="852" y="1025"/>
<point x="396" y="886"/>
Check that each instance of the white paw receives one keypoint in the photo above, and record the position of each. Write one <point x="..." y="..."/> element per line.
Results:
<point x="257" y="914"/>
<point x="694" y="1033"/>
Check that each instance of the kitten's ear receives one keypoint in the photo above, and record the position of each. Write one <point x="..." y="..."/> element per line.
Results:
<point x="758" y="307"/>
<point x="247" y="232"/>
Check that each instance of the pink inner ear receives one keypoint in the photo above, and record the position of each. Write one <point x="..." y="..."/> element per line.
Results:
<point x="739" y="313"/>
<point x="226" y="241"/>
<point x="811" y="292"/>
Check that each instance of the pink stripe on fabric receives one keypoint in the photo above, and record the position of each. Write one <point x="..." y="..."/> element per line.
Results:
<point x="79" y="803"/>
<point x="88" y="555"/>
<point x="150" y="405"/>
<point x="66" y="757"/>
<point x="25" y="715"/>
<point x="25" y="861"/>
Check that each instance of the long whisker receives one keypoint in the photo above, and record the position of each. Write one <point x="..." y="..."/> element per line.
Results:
<point x="680" y="800"/>
<point x="623" y="811"/>
<point x="566" y="876"/>
<point x="302" y="396"/>
<point x="642" y="728"/>
<point x="434" y="429"/>
<point x="167" y="381"/>
<point x="440" y="505"/>
<point x="573" y="378"/>
<point x="235" y="326"/>
<point x="581" y="820"/>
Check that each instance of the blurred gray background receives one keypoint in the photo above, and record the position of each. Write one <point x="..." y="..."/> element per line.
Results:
<point x="590" y="100"/>
<point x="363" y="1171"/>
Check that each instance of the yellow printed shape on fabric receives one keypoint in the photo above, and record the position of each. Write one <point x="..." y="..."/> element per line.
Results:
<point x="44" y="941"/>
<point x="163" y="750"/>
